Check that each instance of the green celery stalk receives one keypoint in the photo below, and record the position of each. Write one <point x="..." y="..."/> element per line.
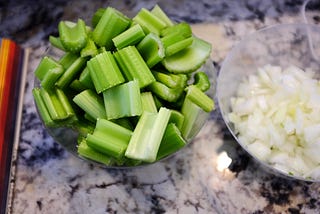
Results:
<point x="42" y="109"/>
<point x="124" y="122"/>
<point x="201" y="81"/>
<point x="47" y="63"/>
<point x="178" y="46"/>
<point x="49" y="80"/>
<point x="169" y="79"/>
<point x="104" y="71"/>
<point x="146" y="137"/>
<point x="91" y="103"/>
<point x="56" y="42"/>
<point x="177" y="118"/>
<point x="133" y="66"/>
<point x="68" y="59"/>
<point x="85" y="79"/>
<point x="199" y="98"/>
<point x="148" y="103"/>
<point x="111" y="24"/>
<point x="171" y="142"/>
<point x="190" y="58"/>
<point x="77" y="86"/>
<point x="158" y="12"/>
<point x="131" y="36"/>
<point x="151" y="49"/>
<point x="109" y="138"/>
<point x="70" y="74"/>
<point x="181" y="30"/>
<point x="97" y="16"/>
<point x="164" y="92"/>
<point x="123" y="100"/>
<point x="89" y="50"/>
<point x="85" y="151"/>
<point x="149" y="22"/>
<point x="73" y="36"/>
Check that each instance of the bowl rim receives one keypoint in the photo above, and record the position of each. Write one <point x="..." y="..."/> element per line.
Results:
<point x="227" y="59"/>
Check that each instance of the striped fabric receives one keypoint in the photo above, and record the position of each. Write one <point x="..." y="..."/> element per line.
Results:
<point x="12" y="77"/>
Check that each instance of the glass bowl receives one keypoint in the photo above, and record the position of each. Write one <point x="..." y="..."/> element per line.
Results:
<point x="281" y="45"/>
<point x="67" y="137"/>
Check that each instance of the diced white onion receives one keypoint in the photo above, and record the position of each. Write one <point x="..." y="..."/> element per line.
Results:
<point x="276" y="114"/>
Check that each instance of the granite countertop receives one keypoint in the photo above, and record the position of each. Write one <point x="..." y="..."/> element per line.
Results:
<point x="50" y="180"/>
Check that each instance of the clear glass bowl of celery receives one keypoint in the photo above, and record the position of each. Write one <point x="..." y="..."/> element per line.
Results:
<point x="123" y="92"/>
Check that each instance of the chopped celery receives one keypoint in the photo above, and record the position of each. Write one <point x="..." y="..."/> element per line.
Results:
<point x="177" y="118"/>
<point x="171" y="142"/>
<point x="190" y="58"/>
<point x="148" y="103"/>
<point x="85" y="79"/>
<point x="109" y="138"/>
<point x="70" y="74"/>
<point x="169" y="79"/>
<point x="73" y="36"/>
<point x="68" y="59"/>
<point x="123" y="100"/>
<point x="149" y="22"/>
<point x="146" y="137"/>
<point x="85" y="151"/>
<point x="201" y="81"/>
<point x="166" y="93"/>
<point x="97" y="16"/>
<point x="131" y="36"/>
<point x="91" y="103"/>
<point x="42" y="109"/>
<point x="151" y="49"/>
<point x="49" y="80"/>
<point x="77" y="85"/>
<point x="47" y="63"/>
<point x="181" y="30"/>
<point x="90" y="49"/>
<point x="178" y="46"/>
<point x="133" y="66"/>
<point x="158" y="12"/>
<point x="199" y="98"/>
<point x="124" y="122"/>
<point x="56" y="42"/>
<point x="111" y="24"/>
<point x="104" y="71"/>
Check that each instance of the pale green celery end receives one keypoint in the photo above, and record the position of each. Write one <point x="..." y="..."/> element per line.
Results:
<point x="123" y="100"/>
<point x="131" y="36"/>
<point x="148" y="103"/>
<point x="151" y="49"/>
<point x="104" y="71"/>
<point x="145" y="141"/>
<point x="67" y="59"/>
<point x="91" y="103"/>
<point x="111" y="23"/>
<point x="137" y="67"/>
<point x="50" y="78"/>
<point x="70" y="74"/>
<point x="85" y="151"/>
<point x="44" y="66"/>
<point x="106" y="144"/>
<point x="43" y="111"/>
<point x="158" y="12"/>
<point x="178" y="46"/>
<point x="64" y="100"/>
<point x="106" y="127"/>
<point x="194" y="118"/>
<point x="149" y="22"/>
<point x="52" y="102"/>
<point x="200" y="98"/>
<point x="189" y="59"/>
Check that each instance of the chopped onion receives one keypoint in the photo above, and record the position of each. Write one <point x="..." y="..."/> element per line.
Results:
<point x="276" y="115"/>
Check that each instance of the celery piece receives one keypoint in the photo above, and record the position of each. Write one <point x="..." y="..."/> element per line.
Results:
<point x="85" y="79"/>
<point x="151" y="49"/>
<point x="177" y="118"/>
<point x="164" y="92"/>
<point x="201" y="81"/>
<point x="97" y="16"/>
<point x="91" y="103"/>
<point x="146" y="137"/>
<point x="133" y="66"/>
<point x="89" y="117"/>
<point x="182" y="30"/>
<point x="41" y="107"/>
<point x="104" y="71"/>
<point x="169" y="79"/>
<point x="85" y="151"/>
<point x="123" y="100"/>
<point x="124" y="122"/>
<point x="200" y="98"/>
<point x="47" y="63"/>
<point x="56" y="42"/>
<point x="171" y="142"/>
<point x="194" y="118"/>
<point x="190" y="58"/>
<point x="77" y="86"/>
<point x="84" y="127"/>
<point x="178" y="46"/>
<point x="149" y="22"/>
<point x="131" y="36"/>
<point x="158" y="12"/>
<point x="109" y="138"/>
<point x="71" y="72"/>
<point x="89" y="50"/>
<point x="148" y="103"/>
<point x="111" y="24"/>
<point x="64" y="100"/>
<point x="73" y="37"/>
<point x="68" y="59"/>
<point x="49" y="80"/>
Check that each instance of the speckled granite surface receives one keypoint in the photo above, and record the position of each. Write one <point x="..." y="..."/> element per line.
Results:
<point x="49" y="180"/>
